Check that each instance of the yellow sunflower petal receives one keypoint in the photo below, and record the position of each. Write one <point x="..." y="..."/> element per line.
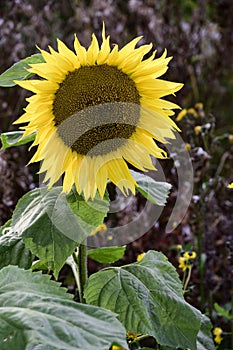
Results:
<point x="68" y="54"/>
<point x="119" y="174"/>
<point x="93" y="51"/>
<point x="136" y="156"/>
<point x="101" y="180"/>
<point x="80" y="51"/>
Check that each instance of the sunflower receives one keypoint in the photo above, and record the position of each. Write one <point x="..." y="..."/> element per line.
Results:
<point x="96" y="111"/>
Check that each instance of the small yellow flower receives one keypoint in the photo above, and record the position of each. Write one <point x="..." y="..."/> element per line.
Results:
<point x="187" y="146"/>
<point x="186" y="260"/>
<point x="217" y="332"/>
<point x="230" y="185"/>
<point x="199" y="105"/>
<point x="190" y="255"/>
<point x="179" y="247"/>
<point x="99" y="228"/>
<point x="140" y="256"/>
<point x="193" y="112"/>
<point x="183" y="263"/>
<point x="115" y="347"/>
<point x="197" y="129"/>
<point x="181" y="115"/>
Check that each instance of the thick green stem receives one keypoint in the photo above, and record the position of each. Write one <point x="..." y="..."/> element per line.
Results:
<point x="82" y="265"/>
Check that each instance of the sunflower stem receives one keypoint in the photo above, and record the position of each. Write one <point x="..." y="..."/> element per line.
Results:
<point x="81" y="262"/>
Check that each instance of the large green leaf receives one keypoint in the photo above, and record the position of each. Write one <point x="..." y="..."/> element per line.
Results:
<point x="36" y="313"/>
<point x="91" y="213"/>
<point x="155" y="191"/>
<point x="14" y="138"/>
<point x="52" y="224"/>
<point x="14" y="252"/>
<point x="106" y="254"/>
<point x="204" y="337"/>
<point x="148" y="298"/>
<point x="18" y="71"/>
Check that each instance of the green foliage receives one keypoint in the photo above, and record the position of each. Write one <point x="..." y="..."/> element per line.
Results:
<point x="91" y="213"/>
<point x="34" y="219"/>
<point x="187" y="7"/>
<point x="37" y="314"/>
<point x="147" y="295"/>
<point x="14" y="252"/>
<point x="18" y="71"/>
<point x="204" y="338"/>
<point x="223" y="312"/>
<point x="14" y="138"/>
<point x="52" y="224"/>
<point x="4" y="228"/>
<point x="155" y="191"/>
<point x="107" y="254"/>
<point x="148" y="298"/>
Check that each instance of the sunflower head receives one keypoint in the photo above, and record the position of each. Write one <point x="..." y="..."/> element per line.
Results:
<point x="96" y="111"/>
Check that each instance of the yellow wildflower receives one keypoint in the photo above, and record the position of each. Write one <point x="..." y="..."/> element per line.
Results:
<point x="217" y="332"/>
<point x="197" y="129"/>
<point x="181" y="115"/>
<point x="199" y="105"/>
<point x="99" y="228"/>
<point x="140" y="256"/>
<point x="179" y="247"/>
<point x="186" y="260"/>
<point x="190" y="255"/>
<point x="183" y="263"/>
<point x="230" y="185"/>
<point x="193" y="112"/>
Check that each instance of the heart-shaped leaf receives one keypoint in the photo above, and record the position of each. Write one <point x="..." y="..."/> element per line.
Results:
<point x="148" y="298"/>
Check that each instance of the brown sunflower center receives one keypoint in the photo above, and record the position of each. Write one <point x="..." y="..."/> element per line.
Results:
<point x="96" y="109"/>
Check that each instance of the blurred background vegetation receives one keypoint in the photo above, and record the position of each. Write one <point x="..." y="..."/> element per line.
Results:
<point x="199" y="36"/>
